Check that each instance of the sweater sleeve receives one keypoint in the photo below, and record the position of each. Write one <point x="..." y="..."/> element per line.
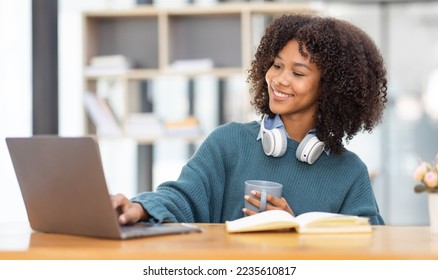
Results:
<point x="197" y="194"/>
<point x="360" y="200"/>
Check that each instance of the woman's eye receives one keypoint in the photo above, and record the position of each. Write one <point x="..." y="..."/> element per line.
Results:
<point x="276" y="66"/>
<point x="298" y="74"/>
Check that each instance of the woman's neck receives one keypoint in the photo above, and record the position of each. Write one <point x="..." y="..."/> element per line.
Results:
<point x="297" y="128"/>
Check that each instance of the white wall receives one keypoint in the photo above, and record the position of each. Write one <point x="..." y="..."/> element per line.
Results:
<point x="15" y="98"/>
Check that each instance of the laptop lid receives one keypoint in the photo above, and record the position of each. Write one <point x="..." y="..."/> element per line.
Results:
<point x="64" y="189"/>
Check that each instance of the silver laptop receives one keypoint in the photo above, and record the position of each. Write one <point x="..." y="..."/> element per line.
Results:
<point x="64" y="190"/>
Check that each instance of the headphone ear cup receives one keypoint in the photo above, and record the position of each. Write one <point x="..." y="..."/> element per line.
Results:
<point x="268" y="142"/>
<point x="274" y="142"/>
<point x="280" y="142"/>
<point x="309" y="149"/>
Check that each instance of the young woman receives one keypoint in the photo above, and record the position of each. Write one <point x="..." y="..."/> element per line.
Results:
<point x="315" y="81"/>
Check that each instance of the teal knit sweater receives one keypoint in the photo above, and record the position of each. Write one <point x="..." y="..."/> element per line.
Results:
<point x="210" y="188"/>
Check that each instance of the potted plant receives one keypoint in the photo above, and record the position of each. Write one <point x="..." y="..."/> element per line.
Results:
<point x="426" y="174"/>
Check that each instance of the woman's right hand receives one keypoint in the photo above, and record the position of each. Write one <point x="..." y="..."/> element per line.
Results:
<point x="129" y="212"/>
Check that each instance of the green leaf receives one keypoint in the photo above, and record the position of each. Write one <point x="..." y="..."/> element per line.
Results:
<point x="419" y="188"/>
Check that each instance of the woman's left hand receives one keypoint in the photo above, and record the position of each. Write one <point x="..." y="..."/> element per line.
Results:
<point x="275" y="203"/>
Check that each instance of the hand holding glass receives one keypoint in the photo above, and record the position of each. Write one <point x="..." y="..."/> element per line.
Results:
<point x="265" y="188"/>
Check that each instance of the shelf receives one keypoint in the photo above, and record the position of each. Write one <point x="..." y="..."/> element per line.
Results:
<point x="144" y="74"/>
<point x="220" y="8"/>
<point x="154" y="139"/>
<point x="152" y="40"/>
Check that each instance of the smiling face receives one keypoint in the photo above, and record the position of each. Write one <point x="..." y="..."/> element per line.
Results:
<point x="293" y="84"/>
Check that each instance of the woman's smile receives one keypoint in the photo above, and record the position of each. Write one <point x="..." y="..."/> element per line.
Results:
<point x="281" y="95"/>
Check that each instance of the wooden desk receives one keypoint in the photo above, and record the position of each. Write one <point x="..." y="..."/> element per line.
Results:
<point x="386" y="242"/>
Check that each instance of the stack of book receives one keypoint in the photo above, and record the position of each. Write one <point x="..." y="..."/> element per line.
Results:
<point x="144" y="125"/>
<point x="188" y="127"/>
<point x="108" y="65"/>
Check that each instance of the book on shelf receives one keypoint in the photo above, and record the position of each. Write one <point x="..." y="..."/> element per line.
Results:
<point x="144" y="125"/>
<point x="170" y="3"/>
<point x="192" y="64"/>
<point x="108" y="65"/>
<point x="188" y="127"/>
<point x="101" y="115"/>
<point x="311" y="222"/>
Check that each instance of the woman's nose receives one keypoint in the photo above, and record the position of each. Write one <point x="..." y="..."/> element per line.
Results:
<point x="281" y="80"/>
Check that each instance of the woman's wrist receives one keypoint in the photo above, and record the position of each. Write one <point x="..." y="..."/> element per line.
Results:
<point x="143" y="214"/>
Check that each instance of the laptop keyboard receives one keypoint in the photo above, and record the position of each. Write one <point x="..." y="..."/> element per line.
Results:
<point x="140" y="229"/>
<point x="148" y="229"/>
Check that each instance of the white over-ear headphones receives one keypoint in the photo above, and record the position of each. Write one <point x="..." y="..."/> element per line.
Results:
<point x="274" y="144"/>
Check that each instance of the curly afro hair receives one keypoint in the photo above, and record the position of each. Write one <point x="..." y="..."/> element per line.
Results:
<point x="353" y="84"/>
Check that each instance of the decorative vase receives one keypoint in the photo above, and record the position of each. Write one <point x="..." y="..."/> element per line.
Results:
<point x="433" y="212"/>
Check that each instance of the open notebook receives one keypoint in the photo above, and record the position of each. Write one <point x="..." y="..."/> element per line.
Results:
<point x="64" y="189"/>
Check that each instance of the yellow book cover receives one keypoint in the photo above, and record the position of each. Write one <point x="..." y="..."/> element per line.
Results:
<point x="311" y="222"/>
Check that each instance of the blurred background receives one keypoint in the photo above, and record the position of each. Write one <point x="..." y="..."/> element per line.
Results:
<point x="405" y="31"/>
